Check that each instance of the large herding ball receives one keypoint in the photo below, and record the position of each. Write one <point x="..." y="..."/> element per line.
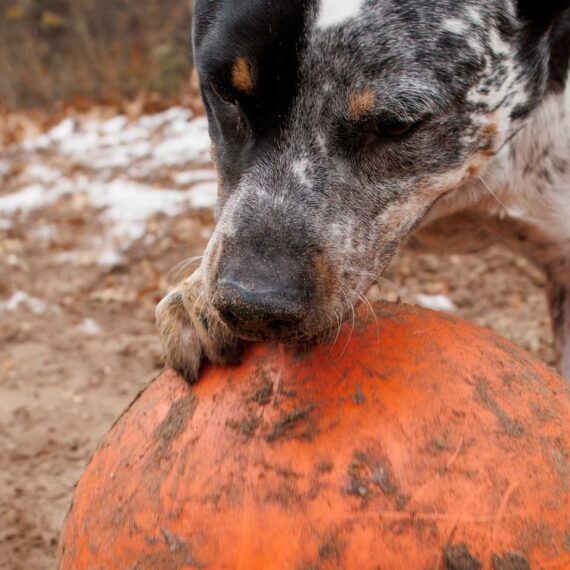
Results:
<point x="418" y="442"/>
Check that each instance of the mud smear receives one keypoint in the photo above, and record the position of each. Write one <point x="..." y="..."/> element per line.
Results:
<point x="510" y="561"/>
<point x="359" y="397"/>
<point x="177" y="557"/>
<point x="288" y="423"/>
<point x="368" y="471"/>
<point x="263" y="393"/>
<point x="458" y="557"/>
<point x="325" y="465"/>
<point x="175" y="423"/>
<point x="510" y="426"/>
<point x="286" y="495"/>
<point x="331" y="550"/>
<point x="246" y="426"/>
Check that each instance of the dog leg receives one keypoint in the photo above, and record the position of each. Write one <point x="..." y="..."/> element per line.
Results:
<point x="191" y="331"/>
<point x="559" y="302"/>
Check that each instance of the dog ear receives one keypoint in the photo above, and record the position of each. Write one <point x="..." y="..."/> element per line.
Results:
<point x="541" y="14"/>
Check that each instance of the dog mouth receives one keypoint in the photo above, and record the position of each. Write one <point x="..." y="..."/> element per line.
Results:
<point x="275" y="330"/>
<point x="280" y="331"/>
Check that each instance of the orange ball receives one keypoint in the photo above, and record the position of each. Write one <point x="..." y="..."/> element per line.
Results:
<point x="417" y="442"/>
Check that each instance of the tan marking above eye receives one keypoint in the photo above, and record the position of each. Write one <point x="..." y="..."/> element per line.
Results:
<point x="362" y="103"/>
<point x="243" y="76"/>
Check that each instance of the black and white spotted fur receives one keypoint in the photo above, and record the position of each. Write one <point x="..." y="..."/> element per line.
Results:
<point x="366" y="123"/>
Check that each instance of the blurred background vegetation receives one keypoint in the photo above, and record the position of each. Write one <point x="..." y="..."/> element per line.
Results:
<point x="53" y="51"/>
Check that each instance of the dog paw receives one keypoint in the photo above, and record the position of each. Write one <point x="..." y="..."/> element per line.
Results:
<point x="191" y="332"/>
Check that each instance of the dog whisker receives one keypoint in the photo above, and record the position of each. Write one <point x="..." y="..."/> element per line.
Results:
<point x="339" y="320"/>
<point x="198" y="298"/>
<point x="350" y="305"/>
<point x="376" y="277"/>
<point x="492" y="193"/>
<point x="370" y="308"/>
<point x="508" y="211"/>
<point x="175" y="272"/>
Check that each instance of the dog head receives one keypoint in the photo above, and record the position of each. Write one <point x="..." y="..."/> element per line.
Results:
<point x="338" y="124"/>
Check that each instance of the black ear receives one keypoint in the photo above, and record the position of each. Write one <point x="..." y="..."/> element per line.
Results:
<point x="541" y="14"/>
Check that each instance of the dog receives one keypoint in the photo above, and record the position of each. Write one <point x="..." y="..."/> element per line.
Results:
<point x="342" y="129"/>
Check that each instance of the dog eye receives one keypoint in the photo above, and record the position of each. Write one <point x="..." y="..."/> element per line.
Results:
<point x="222" y="94"/>
<point x="392" y="128"/>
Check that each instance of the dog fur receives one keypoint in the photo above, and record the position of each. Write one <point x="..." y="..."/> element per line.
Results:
<point x="342" y="129"/>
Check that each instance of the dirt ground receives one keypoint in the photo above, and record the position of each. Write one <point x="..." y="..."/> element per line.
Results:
<point x="77" y="340"/>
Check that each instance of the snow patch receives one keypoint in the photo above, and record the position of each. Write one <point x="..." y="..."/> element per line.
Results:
<point x="89" y="327"/>
<point x="164" y="139"/>
<point x="44" y="232"/>
<point x="25" y="200"/>
<point x="109" y="257"/>
<point x="203" y="195"/>
<point x="436" y="302"/>
<point x="21" y="298"/>
<point x="192" y="176"/>
<point x="181" y="145"/>
<point x="107" y="161"/>
<point x="129" y="204"/>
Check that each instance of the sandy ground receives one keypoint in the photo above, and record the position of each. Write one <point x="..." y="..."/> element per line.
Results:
<point x="93" y="217"/>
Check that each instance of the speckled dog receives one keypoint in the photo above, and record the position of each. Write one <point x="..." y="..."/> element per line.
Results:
<point x="343" y="128"/>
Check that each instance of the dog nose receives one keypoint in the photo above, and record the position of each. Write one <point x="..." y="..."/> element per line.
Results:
<point x="259" y="306"/>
